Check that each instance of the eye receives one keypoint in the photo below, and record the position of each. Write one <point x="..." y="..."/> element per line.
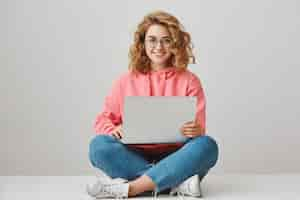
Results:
<point x="167" y="40"/>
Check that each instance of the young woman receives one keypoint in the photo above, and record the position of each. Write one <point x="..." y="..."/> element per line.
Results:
<point x="159" y="59"/>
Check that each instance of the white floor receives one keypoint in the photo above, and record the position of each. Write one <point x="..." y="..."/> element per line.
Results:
<point x="214" y="187"/>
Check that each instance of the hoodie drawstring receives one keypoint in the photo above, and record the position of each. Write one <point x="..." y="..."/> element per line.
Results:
<point x="162" y="78"/>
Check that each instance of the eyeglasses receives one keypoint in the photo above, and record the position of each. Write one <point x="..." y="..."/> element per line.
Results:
<point x="165" y="42"/>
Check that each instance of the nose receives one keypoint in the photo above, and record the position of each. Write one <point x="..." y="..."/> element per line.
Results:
<point x="158" y="45"/>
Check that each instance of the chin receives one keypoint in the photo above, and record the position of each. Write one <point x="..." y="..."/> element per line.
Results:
<point x="159" y="61"/>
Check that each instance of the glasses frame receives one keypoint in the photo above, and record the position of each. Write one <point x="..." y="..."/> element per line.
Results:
<point x="153" y="42"/>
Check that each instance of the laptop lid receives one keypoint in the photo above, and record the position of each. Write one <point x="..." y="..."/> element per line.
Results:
<point x="156" y="119"/>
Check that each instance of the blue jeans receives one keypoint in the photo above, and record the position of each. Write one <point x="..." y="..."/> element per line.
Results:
<point x="116" y="159"/>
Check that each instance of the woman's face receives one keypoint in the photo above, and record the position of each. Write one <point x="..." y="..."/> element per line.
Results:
<point x="157" y="44"/>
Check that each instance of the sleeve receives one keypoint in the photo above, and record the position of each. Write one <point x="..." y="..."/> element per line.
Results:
<point x="195" y="89"/>
<point x="110" y="116"/>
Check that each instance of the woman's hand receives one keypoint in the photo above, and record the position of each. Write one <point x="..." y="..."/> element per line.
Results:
<point x="191" y="129"/>
<point x="117" y="132"/>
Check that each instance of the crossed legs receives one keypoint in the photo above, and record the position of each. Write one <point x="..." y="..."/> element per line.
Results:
<point x="197" y="156"/>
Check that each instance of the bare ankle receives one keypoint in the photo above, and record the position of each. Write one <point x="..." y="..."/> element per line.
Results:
<point x="140" y="185"/>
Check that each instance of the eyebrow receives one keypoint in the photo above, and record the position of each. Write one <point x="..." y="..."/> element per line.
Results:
<point x="152" y="36"/>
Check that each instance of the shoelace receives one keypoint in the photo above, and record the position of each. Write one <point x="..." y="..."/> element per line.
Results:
<point x="178" y="193"/>
<point x="119" y="198"/>
<point x="154" y="193"/>
<point x="116" y="196"/>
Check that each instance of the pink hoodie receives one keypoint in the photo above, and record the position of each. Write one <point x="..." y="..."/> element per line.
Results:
<point x="164" y="82"/>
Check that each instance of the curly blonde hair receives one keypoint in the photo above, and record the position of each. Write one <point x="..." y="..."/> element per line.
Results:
<point x="181" y="47"/>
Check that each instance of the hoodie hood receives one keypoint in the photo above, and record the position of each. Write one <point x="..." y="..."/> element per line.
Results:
<point x="159" y="77"/>
<point x="164" y="73"/>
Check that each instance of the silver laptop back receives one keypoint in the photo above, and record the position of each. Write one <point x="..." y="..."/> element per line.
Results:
<point x="156" y="119"/>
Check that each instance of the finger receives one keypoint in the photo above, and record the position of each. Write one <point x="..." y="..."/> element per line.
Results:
<point x="190" y="125"/>
<point x="113" y="134"/>
<point x="190" y="129"/>
<point x="182" y="133"/>
<point x="181" y="129"/>
<point x="116" y="135"/>
<point x="195" y="132"/>
<point x="189" y="132"/>
<point x="120" y="132"/>
<point x="189" y="122"/>
<point x="188" y="135"/>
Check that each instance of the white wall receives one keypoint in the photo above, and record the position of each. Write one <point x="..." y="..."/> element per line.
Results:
<point x="58" y="60"/>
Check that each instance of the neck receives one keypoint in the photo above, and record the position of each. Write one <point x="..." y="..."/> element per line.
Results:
<point x="156" y="67"/>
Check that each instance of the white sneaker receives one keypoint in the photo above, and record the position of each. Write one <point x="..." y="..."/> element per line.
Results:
<point x="106" y="187"/>
<point x="112" y="190"/>
<point x="190" y="187"/>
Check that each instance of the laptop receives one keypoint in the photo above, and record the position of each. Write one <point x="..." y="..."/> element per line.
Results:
<point x="156" y="119"/>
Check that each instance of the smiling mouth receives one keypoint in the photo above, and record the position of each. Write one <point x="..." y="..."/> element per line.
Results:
<point x="159" y="54"/>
